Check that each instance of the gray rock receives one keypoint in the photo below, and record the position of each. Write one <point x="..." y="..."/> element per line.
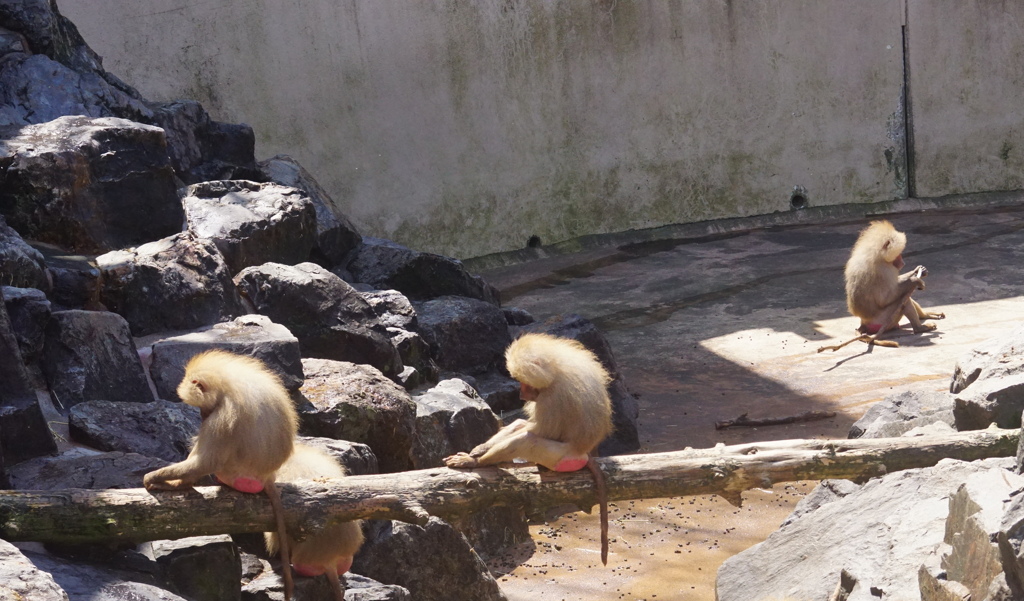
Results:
<point x="330" y="319"/>
<point x="91" y="356"/>
<point x="36" y="89"/>
<point x="975" y="511"/>
<point x="995" y="358"/>
<point x="465" y="335"/>
<point x="392" y="308"/>
<point x="253" y="335"/>
<point x="450" y="417"/>
<point x="415" y="353"/>
<point x="29" y="313"/>
<point x="880" y="533"/>
<point x="625" y="410"/>
<point x="499" y="391"/>
<point x="200" y="568"/>
<point x="20" y="579"/>
<point x="177" y="283"/>
<point x="451" y="571"/>
<point x="357" y="403"/>
<point x="517" y="317"/>
<point x="90" y="582"/>
<point x="357" y="458"/>
<point x="24" y="432"/>
<point x="84" y="468"/>
<point x="997" y="400"/>
<point x="158" y="429"/>
<point x="252" y="223"/>
<point x="420" y="276"/>
<point x="77" y="182"/>
<point x="336" y="235"/>
<point x="20" y="265"/>
<point x="269" y="587"/>
<point x="202" y="149"/>
<point x="899" y="413"/>
<point x="823" y="494"/>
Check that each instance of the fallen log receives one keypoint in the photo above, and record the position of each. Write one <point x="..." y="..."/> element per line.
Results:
<point x="81" y="515"/>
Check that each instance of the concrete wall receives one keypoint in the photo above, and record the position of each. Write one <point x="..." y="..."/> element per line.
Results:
<point x="966" y="60"/>
<point x="466" y="127"/>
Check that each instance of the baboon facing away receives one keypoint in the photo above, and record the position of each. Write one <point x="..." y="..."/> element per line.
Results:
<point x="248" y="432"/>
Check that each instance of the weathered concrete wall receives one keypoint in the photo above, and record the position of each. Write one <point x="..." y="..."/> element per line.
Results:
<point x="966" y="62"/>
<point x="466" y="127"/>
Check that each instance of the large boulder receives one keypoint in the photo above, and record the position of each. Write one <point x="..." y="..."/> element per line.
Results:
<point x="902" y="412"/>
<point x="199" y="568"/>
<point x="336" y="236"/>
<point x="998" y="400"/>
<point x="451" y="571"/>
<point x="252" y="223"/>
<point x="91" y="185"/>
<point x="178" y="283"/>
<point x="995" y="358"/>
<point x="84" y="468"/>
<point x="36" y="89"/>
<point x="29" y="313"/>
<point x="96" y="582"/>
<point x="91" y="356"/>
<point x="418" y="275"/>
<point x="451" y="417"/>
<point x="21" y="579"/>
<point x="156" y="429"/>
<point x="202" y="149"/>
<point x="465" y="335"/>
<point x="20" y="265"/>
<point x="253" y="335"/>
<point x="330" y="319"/>
<point x="24" y="432"/>
<point x="357" y="403"/>
<point x="625" y="410"/>
<point x="881" y="534"/>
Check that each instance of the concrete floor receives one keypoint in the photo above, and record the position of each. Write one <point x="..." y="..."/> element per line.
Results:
<point x="709" y="328"/>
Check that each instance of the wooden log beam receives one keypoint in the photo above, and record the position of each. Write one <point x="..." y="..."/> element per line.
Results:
<point x="80" y="515"/>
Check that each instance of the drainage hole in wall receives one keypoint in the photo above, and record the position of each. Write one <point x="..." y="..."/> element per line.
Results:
<point x="798" y="199"/>
<point x="533" y="242"/>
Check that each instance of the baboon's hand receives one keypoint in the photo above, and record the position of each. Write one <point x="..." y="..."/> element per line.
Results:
<point x="461" y="461"/>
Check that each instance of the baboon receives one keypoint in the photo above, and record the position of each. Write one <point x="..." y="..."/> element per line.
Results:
<point x="248" y="432"/>
<point x="875" y="290"/>
<point x="568" y="413"/>
<point x="331" y="550"/>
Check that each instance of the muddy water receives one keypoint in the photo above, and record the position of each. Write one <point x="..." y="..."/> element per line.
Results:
<point x="711" y="330"/>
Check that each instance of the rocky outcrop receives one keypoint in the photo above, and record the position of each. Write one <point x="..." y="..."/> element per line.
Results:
<point x="252" y="223"/>
<point x="330" y="319"/>
<point x="336" y="236"/>
<point x="451" y="571"/>
<point x="420" y="276"/>
<point x="177" y="283"/>
<point x="90" y="185"/>
<point x="357" y="403"/>
<point x="900" y="413"/>
<point x="882" y="534"/>
<point x="253" y="335"/>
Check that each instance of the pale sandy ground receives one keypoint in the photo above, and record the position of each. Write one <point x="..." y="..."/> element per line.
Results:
<point x="707" y="330"/>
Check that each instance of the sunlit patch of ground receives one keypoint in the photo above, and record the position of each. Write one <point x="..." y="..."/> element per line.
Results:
<point x="665" y="549"/>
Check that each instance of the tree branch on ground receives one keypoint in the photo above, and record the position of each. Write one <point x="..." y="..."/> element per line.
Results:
<point x="744" y="420"/>
<point x="81" y="515"/>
